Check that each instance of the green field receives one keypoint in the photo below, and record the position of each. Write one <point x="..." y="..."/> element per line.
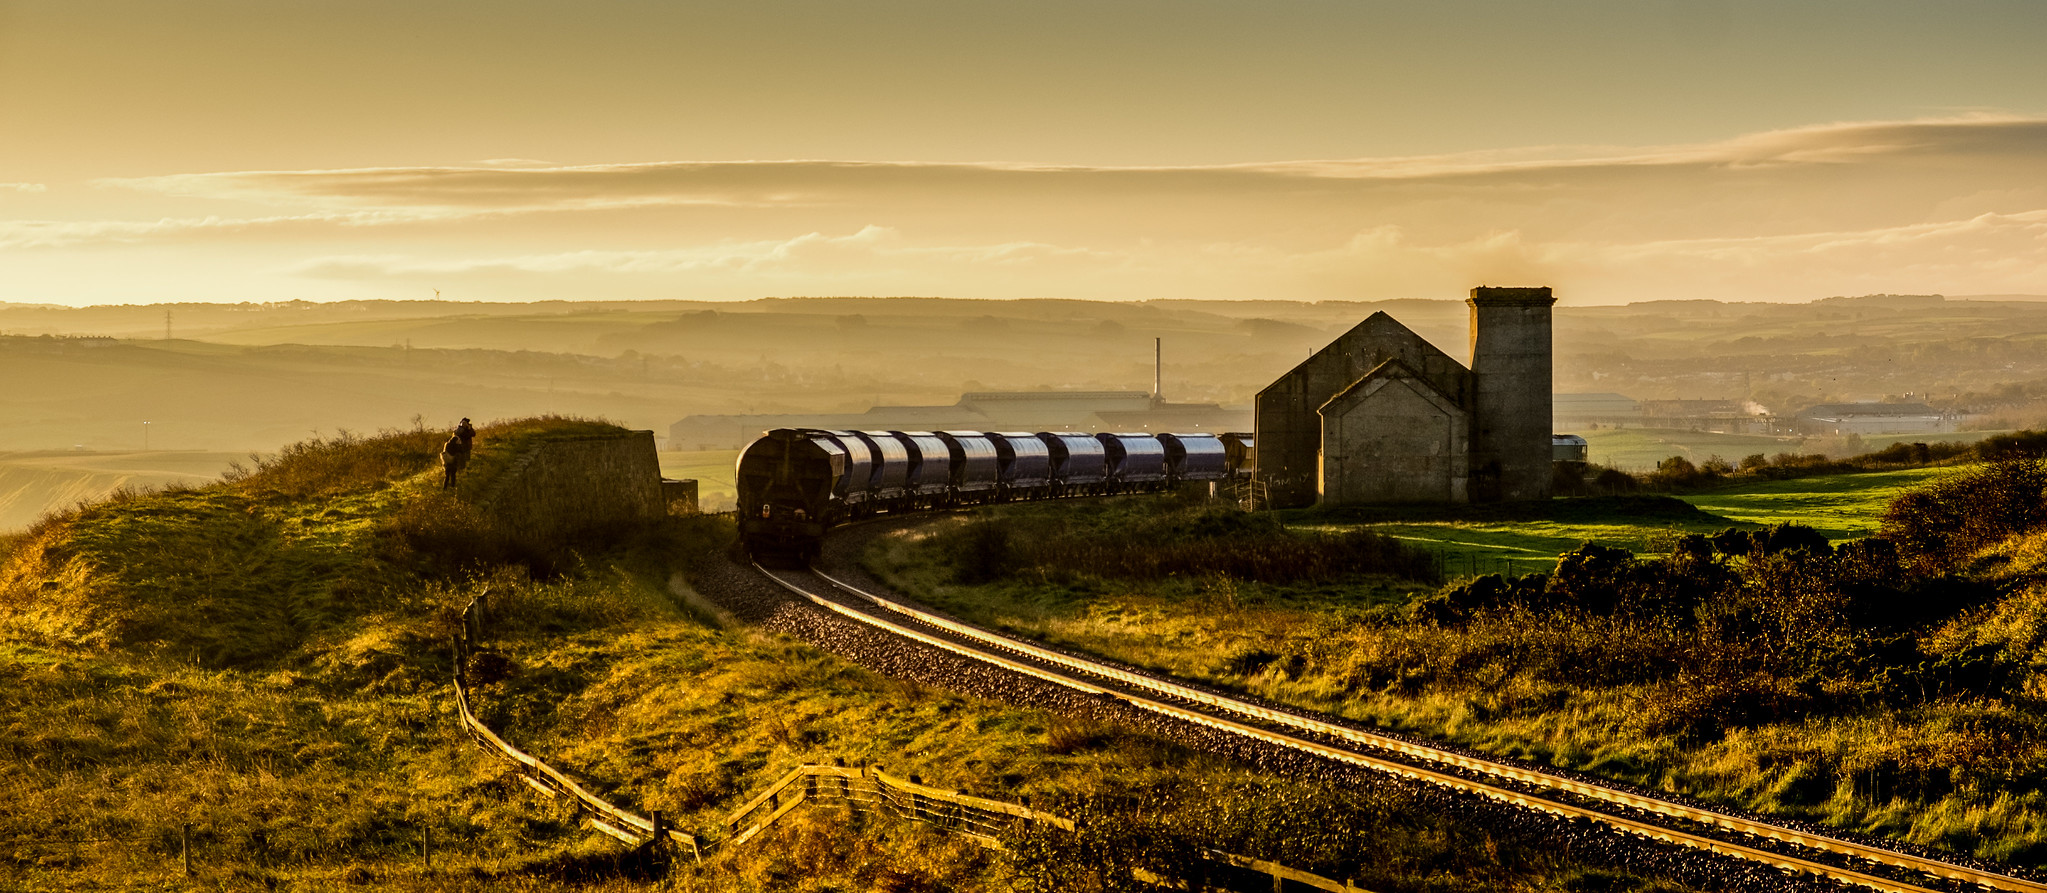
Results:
<point x="711" y="469"/>
<point x="1639" y="449"/>
<point x="1846" y="506"/>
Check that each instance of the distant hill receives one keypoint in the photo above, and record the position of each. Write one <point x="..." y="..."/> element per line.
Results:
<point x="249" y="377"/>
<point x="33" y="483"/>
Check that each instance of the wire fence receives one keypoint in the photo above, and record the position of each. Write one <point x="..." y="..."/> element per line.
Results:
<point x="866" y="789"/>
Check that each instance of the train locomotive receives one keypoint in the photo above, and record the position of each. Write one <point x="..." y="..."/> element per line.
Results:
<point x="796" y="483"/>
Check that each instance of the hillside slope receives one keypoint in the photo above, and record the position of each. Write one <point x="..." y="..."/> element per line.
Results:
<point x="264" y="661"/>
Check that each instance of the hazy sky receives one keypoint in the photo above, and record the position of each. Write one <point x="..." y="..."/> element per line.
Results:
<point x="231" y="150"/>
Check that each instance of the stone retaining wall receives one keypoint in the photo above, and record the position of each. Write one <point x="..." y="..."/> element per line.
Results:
<point x="559" y="488"/>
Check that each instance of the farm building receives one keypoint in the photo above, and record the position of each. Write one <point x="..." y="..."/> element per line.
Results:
<point x="1382" y="415"/>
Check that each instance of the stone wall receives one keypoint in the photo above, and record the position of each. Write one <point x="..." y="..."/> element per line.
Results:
<point x="556" y="489"/>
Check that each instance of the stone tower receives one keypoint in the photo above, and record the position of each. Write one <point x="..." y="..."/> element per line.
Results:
<point x="1510" y="371"/>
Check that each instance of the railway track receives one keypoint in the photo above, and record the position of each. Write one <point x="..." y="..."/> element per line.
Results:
<point x="1782" y="847"/>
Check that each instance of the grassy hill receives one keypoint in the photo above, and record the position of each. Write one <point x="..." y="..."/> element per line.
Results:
<point x="265" y="659"/>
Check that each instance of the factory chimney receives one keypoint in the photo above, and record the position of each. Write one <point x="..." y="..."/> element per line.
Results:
<point x="1158" y="371"/>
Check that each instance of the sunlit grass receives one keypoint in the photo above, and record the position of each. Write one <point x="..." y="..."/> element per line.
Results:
<point x="1960" y="775"/>
<point x="713" y="472"/>
<point x="1639" y="449"/>
<point x="264" y="660"/>
<point x="1840" y="506"/>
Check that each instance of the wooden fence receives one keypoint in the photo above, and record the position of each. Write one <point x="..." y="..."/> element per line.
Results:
<point x="863" y="789"/>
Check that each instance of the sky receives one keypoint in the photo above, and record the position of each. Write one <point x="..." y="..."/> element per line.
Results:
<point x="266" y="150"/>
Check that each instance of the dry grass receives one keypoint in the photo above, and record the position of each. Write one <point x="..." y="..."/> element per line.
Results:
<point x="271" y="669"/>
<point x="1824" y="688"/>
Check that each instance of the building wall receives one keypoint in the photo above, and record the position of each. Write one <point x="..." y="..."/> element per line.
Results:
<point x="1510" y="372"/>
<point x="559" y="488"/>
<point x="1392" y="438"/>
<point x="1286" y="421"/>
<point x="1877" y="425"/>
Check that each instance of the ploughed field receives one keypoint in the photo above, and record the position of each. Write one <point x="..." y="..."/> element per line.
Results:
<point x="1879" y="689"/>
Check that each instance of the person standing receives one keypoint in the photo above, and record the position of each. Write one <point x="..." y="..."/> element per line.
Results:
<point x="454" y="457"/>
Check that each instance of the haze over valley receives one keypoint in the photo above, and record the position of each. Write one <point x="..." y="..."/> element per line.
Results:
<point x="240" y="379"/>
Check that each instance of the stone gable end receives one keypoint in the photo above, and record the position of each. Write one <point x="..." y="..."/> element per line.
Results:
<point x="1288" y="427"/>
<point x="1393" y="437"/>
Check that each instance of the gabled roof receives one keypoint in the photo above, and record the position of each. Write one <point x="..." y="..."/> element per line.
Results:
<point x="1391" y="370"/>
<point x="1373" y="342"/>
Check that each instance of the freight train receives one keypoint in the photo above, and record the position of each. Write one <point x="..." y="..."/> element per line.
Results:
<point x="796" y="483"/>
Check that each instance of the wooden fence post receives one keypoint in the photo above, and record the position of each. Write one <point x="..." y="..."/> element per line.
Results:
<point x="426" y="844"/>
<point x="185" y="847"/>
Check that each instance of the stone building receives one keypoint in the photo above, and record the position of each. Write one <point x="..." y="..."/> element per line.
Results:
<point x="1381" y="415"/>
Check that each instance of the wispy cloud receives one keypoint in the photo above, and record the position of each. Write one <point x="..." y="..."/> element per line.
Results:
<point x="520" y="183"/>
<point x="23" y="187"/>
<point x="807" y="254"/>
<point x="76" y="233"/>
<point x="1956" y="205"/>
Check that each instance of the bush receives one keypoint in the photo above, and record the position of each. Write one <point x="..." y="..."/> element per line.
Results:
<point x="2016" y="445"/>
<point x="1616" y="481"/>
<point x="1186" y="543"/>
<point x="981" y="552"/>
<point x="1939" y="526"/>
<point x="325" y="466"/>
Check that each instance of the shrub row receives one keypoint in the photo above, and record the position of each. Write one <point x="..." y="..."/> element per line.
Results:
<point x="1678" y="474"/>
<point x="1186" y="543"/>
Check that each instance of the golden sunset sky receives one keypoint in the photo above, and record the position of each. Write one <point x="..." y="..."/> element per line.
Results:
<point x="265" y="150"/>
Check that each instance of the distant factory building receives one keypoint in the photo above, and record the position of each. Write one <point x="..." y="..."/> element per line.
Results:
<point x="1872" y="418"/>
<point x="976" y="411"/>
<point x="1381" y="415"/>
<point x="1577" y="411"/>
<point x="1717" y="416"/>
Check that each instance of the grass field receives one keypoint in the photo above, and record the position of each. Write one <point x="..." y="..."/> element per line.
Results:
<point x="264" y="661"/>
<point x="32" y="483"/>
<point x="1531" y="545"/>
<point x="1639" y="449"/>
<point x="711" y="469"/>
<point x="1842" y="507"/>
<point x="1527" y="683"/>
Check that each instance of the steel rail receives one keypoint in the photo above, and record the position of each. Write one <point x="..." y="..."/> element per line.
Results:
<point x="1523" y="775"/>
